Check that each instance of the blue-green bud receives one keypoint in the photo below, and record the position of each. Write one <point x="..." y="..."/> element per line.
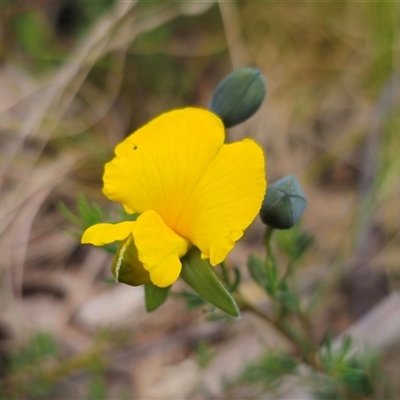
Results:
<point x="283" y="204"/>
<point x="238" y="96"/>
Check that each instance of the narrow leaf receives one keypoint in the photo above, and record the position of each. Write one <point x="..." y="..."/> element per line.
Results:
<point x="200" y="276"/>
<point x="155" y="296"/>
<point x="257" y="270"/>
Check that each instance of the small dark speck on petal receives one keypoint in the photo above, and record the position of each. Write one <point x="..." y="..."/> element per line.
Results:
<point x="134" y="147"/>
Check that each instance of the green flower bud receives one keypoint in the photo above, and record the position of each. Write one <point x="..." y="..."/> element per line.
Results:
<point x="238" y="96"/>
<point x="283" y="204"/>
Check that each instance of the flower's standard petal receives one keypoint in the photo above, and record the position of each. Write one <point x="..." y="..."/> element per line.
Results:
<point x="225" y="201"/>
<point x="158" y="166"/>
<point x="101" y="234"/>
<point x="159" y="248"/>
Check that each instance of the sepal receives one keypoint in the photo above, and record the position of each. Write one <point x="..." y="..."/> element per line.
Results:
<point x="155" y="296"/>
<point x="200" y="276"/>
<point x="126" y="266"/>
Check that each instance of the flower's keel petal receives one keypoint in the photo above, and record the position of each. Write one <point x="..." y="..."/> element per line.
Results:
<point x="155" y="296"/>
<point x="126" y="266"/>
<point x="158" y="166"/>
<point x="101" y="234"/>
<point x="159" y="248"/>
<point x="199" y="275"/>
<point x="226" y="200"/>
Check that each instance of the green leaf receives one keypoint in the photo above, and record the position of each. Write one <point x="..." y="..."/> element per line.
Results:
<point x="155" y="296"/>
<point x="193" y="300"/>
<point x="273" y="283"/>
<point x="288" y="298"/>
<point x="270" y="370"/>
<point x="236" y="282"/>
<point x="257" y="270"/>
<point x="200" y="276"/>
<point x="294" y="242"/>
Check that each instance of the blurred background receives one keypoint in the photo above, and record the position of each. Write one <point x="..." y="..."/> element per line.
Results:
<point x="78" y="77"/>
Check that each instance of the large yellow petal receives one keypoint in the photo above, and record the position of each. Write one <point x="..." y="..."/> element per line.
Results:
<point x="101" y="234"/>
<point x="159" y="248"/>
<point x="226" y="200"/>
<point x="158" y="166"/>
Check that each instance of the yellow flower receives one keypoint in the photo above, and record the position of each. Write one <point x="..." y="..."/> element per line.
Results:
<point x="188" y="187"/>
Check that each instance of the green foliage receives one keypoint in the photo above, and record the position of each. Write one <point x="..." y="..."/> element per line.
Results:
<point x="34" y="37"/>
<point x="36" y="34"/>
<point x="93" y="9"/>
<point x="28" y="361"/>
<point x="38" y="371"/>
<point x="346" y="374"/>
<point x="97" y="385"/>
<point x="204" y="353"/>
<point x="155" y="296"/>
<point x="270" y="370"/>
<point x="294" y="242"/>
<point x="347" y="371"/>
<point x="40" y="347"/>
<point x="334" y="372"/>
<point x="257" y="271"/>
<point x="200" y="276"/>
<point x="192" y="299"/>
<point x="288" y="300"/>
<point x="339" y="373"/>
<point x="231" y="285"/>
<point x="88" y="214"/>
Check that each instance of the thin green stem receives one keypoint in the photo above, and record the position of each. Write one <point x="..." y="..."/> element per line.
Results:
<point x="267" y="240"/>
<point x="288" y="271"/>
<point x="225" y="275"/>
<point x="305" y="348"/>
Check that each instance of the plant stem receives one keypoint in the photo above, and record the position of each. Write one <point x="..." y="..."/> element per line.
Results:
<point x="305" y="348"/>
<point x="267" y="239"/>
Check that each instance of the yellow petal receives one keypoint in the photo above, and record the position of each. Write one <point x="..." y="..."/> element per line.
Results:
<point x="159" y="248"/>
<point x="158" y="166"/>
<point x="226" y="200"/>
<point x="101" y="234"/>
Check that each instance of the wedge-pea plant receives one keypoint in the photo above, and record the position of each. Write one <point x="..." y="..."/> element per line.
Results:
<point x="188" y="197"/>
